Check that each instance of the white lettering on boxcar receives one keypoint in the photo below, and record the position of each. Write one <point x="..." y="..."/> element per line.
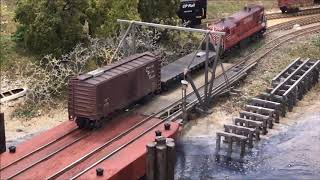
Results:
<point x="150" y="71"/>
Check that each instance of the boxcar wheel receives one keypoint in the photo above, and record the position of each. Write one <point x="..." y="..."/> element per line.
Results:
<point x="283" y="9"/>
<point x="98" y="124"/>
<point x="81" y="123"/>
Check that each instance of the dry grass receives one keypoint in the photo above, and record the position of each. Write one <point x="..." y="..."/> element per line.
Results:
<point x="222" y="8"/>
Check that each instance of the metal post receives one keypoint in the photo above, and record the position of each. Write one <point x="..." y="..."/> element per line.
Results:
<point x="206" y="71"/>
<point x="2" y="134"/>
<point x="133" y="39"/>
<point x="184" y="100"/>
<point x="214" y="67"/>
<point x="204" y="108"/>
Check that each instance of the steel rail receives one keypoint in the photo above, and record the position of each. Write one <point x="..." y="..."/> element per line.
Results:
<point x="128" y="143"/>
<point x="49" y="155"/>
<point x="190" y="105"/>
<point x="220" y="88"/>
<point x="57" y="174"/>
<point x="294" y="34"/>
<point x="38" y="149"/>
<point x="289" y="24"/>
<point x="245" y="60"/>
<point x="255" y="61"/>
<point x="303" y="12"/>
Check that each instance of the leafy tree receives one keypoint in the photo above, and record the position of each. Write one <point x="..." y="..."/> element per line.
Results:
<point x="51" y="26"/>
<point x="158" y="10"/>
<point x="102" y="15"/>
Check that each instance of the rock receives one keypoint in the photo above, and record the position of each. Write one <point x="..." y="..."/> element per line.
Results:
<point x="19" y="130"/>
<point x="296" y="27"/>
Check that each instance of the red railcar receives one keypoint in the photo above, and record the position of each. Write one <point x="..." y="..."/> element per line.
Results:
<point x="294" y="5"/>
<point x="99" y="93"/>
<point x="246" y="23"/>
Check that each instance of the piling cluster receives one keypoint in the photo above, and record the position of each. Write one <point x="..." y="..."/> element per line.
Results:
<point x="263" y="111"/>
<point x="160" y="158"/>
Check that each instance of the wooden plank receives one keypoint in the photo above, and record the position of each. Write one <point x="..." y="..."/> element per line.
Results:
<point x="264" y="111"/>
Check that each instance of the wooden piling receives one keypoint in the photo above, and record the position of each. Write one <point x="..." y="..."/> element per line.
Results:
<point x="218" y="141"/>
<point x="151" y="160"/>
<point x="171" y="160"/>
<point x="230" y="141"/>
<point x="2" y="134"/>
<point x="242" y="148"/>
<point x="161" y="162"/>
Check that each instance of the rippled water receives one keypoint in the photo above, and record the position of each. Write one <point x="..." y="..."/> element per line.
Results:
<point x="292" y="154"/>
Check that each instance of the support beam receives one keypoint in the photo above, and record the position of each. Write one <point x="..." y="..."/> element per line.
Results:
<point x="189" y="79"/>
<point x="214" y="67"/>
<point x="206" y="71"/>
<point x="2" y="134"/>
<point x="170" y="27"/>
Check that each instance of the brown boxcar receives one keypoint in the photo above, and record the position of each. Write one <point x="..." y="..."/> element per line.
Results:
<point x="294" y="5"/>
<point x="97" y="94"/>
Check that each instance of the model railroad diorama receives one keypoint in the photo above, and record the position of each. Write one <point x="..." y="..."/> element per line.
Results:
<point x="99" y="101"/>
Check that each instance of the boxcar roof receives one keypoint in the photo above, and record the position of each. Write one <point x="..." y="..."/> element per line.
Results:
<point x="234" y="18"/>
<point x="105" y="73"/>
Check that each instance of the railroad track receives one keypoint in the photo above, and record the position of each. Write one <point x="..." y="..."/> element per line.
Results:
<point x="272" y="16"/>
<point x="40" y="148"/>
<point x="236" y="72"/>
<point x="104" y="145"/>
<point x="52" y="148"/>
<point x="303" y="12"/>
<point x="288" y="25"/>
<point x="169" y="113"/>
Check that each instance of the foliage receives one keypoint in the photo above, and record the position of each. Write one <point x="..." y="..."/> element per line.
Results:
<point x="111" y="11"/>
<point x="48" y="79"/>
<point x="158" y="10"/>
<point x="50" y="26"/>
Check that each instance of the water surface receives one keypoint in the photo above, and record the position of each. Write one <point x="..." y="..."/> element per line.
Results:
<point x="292" y="154"/>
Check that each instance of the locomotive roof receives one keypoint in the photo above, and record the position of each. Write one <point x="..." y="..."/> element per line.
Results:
<point x="112" y="70"/>
<point x="238" y="16"/>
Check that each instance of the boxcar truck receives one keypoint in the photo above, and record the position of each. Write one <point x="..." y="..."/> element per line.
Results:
<point x="191" y="12"/>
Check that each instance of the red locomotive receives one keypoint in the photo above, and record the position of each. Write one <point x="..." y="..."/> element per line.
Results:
<point x="294" y="5"/>
<point x="99" y="93"/>
<point x="250" y="22"/>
